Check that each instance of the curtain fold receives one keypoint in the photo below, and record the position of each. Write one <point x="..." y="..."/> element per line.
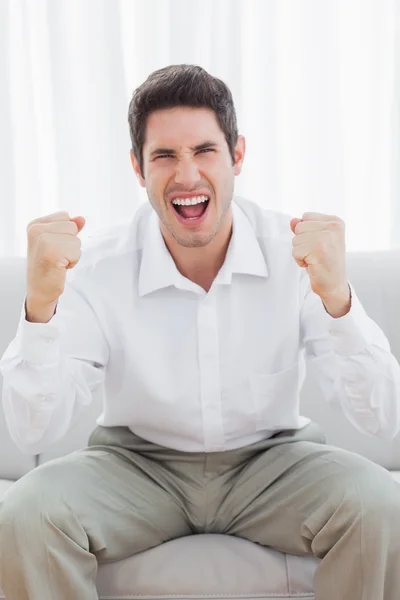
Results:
<point x="316" y="86"/>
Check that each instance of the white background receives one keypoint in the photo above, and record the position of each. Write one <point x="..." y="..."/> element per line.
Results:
<point x="315" y="84"/>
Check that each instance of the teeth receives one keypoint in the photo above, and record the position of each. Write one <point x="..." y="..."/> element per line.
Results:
<point x="189" y="201"/>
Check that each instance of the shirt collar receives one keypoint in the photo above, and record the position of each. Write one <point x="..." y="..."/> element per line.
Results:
<point x="244" y="254"/>
<point x="158" y="269"/>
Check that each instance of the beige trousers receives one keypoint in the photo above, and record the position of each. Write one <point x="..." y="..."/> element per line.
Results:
<point x="122" y="495"/>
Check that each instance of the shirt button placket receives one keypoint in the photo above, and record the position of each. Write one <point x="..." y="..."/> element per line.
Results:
<point x="210" y="384"/>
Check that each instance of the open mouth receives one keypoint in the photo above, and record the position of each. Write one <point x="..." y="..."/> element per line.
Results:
<point x="191" y="210"/>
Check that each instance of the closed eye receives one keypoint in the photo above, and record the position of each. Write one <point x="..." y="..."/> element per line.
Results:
<point x="204" y="150"/>
<point x="201" y="151"/>
<point x="163" y="156"/>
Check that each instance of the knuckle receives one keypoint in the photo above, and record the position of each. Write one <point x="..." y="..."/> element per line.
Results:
<point x="296" y="252"/>
<point x="337" y="225"/>
<point x="44" y="231"/>
<point x="73" y="227"/>
<point x="299" y="228"/>
<point x="42" y="239"/>
<point x="34" y="228"/>
<point x="310" y="216"/>
<point x="58" y="216"/>
<point x="63" y="215"/>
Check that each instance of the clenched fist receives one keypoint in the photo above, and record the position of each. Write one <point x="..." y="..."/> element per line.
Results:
<point x="319" y="246"/>
<point x="53" y="247"/>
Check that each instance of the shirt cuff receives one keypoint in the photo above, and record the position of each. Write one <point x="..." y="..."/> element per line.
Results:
<point x="39" y="343"/>
<point x="354" y="332"/>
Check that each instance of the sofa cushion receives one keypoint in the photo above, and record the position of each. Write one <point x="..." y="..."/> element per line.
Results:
<point x="209" y="566"/>
<point x="396" y="475"/>
<point x="13" y="462"/>
<point x="5" y="484"/>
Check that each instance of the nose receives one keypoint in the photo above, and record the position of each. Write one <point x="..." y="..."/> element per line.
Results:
<point x="187" y="173"/>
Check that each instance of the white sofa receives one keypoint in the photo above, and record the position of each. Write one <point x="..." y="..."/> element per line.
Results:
<point x="215" y="566"/>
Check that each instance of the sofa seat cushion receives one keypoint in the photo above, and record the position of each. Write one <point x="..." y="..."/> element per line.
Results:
<point x="209" y="566"/>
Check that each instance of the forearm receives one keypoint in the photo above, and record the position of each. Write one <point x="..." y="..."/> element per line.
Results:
<point x="50" y="370"/>
<point x="368" y="390"/>
<point x="42" y="402"/>
<point x="354" y="365"/>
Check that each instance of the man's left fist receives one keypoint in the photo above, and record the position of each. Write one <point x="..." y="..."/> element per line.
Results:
<point x="319" y="246"/>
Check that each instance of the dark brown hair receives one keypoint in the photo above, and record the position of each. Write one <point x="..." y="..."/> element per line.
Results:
<point x="181" y="85"/>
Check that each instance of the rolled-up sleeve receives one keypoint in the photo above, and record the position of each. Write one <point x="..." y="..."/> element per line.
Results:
<point x="354" y="364"/>
<point x="50" y="371"/>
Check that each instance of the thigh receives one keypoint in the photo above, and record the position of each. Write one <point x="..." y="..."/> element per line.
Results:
<point x="285" y="495"/>
<point x="120" y="505"/>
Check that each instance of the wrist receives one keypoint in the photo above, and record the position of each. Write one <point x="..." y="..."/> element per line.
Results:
<point x="39" y="311"/>
<point x="338" y="303"/>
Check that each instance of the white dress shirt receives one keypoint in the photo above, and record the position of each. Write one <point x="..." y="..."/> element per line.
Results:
<point x="187" y="369"/>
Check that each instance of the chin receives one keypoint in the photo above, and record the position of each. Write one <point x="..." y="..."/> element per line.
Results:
<point x="197" y="240"/>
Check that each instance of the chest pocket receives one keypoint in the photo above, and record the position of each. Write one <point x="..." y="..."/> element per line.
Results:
<point x="276" y="398"/>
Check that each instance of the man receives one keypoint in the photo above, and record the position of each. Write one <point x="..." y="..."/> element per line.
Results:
<point x="195" y="319"/>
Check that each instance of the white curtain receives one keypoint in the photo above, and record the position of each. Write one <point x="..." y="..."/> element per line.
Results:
<point x="314" y="82"/>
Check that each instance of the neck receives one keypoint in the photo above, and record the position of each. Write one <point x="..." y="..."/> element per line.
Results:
<point x="201" y="264"/>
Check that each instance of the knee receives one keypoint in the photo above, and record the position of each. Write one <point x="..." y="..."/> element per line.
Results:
<point x="374" y="497"/>
<point x="38" y="495"/>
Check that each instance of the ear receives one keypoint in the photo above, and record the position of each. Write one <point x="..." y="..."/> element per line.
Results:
<point x="136" y="168"/>
<point x="240" y="151"/>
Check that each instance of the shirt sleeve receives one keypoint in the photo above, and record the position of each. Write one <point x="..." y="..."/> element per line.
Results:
<point x="353" y="363"/>
<point x="50" y="371"/>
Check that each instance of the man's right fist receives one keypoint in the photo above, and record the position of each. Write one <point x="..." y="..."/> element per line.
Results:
<point x="53" y="247"/>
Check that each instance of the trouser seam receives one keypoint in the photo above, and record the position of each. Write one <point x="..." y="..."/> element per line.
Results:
<point x="361" y="538"/>
<point x="46" y="544"/>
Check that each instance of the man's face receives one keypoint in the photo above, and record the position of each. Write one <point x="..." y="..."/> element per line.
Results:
<point x="188" y="172"/>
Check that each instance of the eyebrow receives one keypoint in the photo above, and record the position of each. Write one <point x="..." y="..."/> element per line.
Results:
<point x="202" y="146"/>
